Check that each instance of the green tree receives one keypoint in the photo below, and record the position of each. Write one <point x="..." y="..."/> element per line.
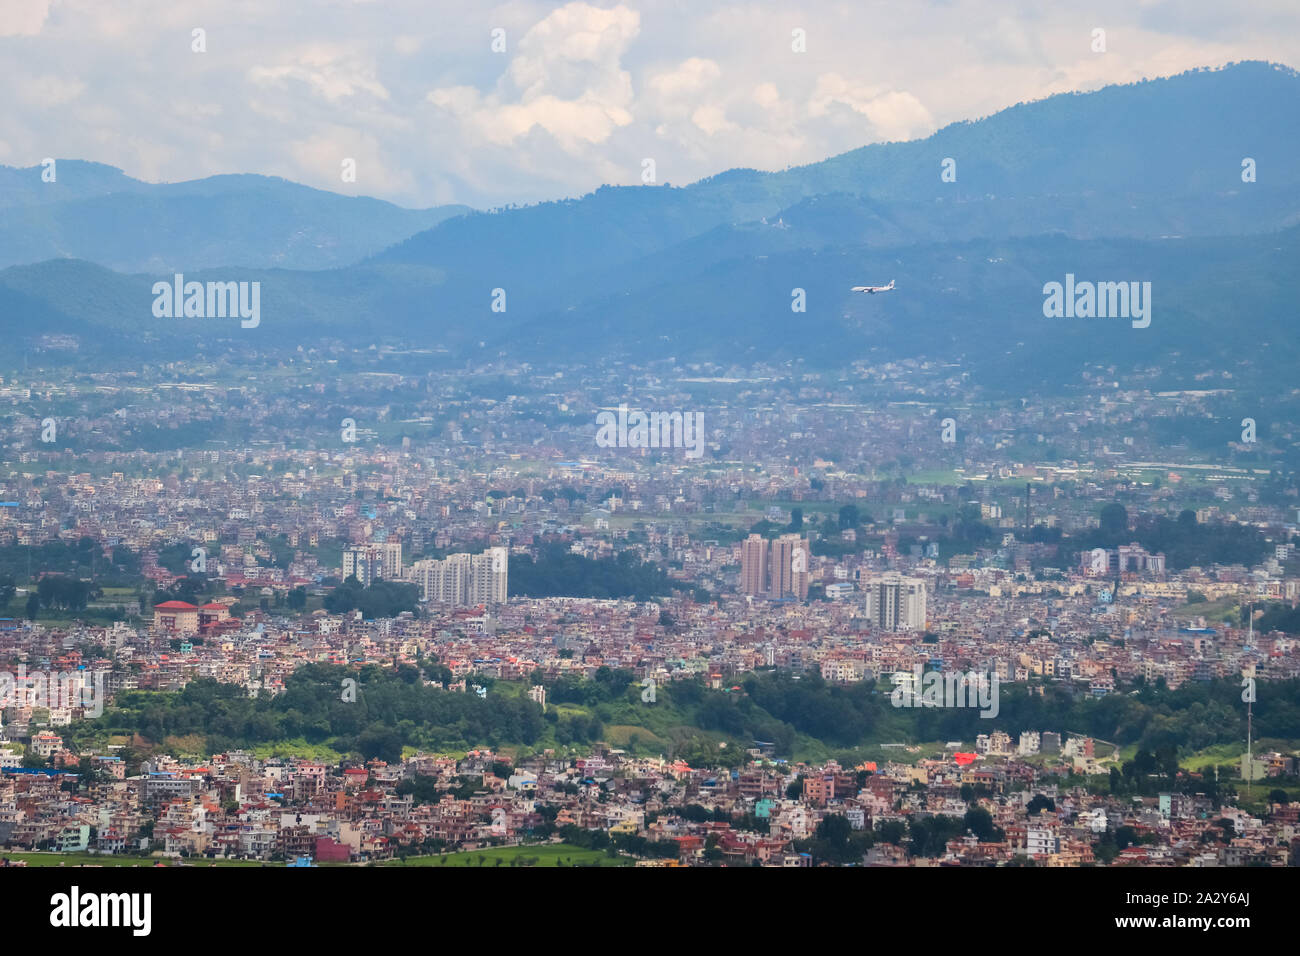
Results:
<point x="980" y="822"/>
<point x="1114" y="520"/>
<point x="1038" y="803"/>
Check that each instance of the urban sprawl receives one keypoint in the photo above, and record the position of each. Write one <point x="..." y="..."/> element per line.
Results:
<point x="655" y="658"/>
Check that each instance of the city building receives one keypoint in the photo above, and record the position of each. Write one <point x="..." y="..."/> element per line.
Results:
<point x="464" y="580"/>
<point x="776" y="569"/>
<point x="896" y="603"/>
<point x="371" y="561"/>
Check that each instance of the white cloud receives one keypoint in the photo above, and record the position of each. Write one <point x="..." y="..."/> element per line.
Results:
<point x="23" y="18"/>
<point x="712" y="119"/>
<point x="320" y="157"/>
<point x="49" y="89"/>
<point x="583" y="92"/>
<point x="898" y="115"/>
<point x="691" y="77"/>
<point x="566" y="79"/>
<point x="407" y="45"/>
<point x="893" y="114"/>
<point x="328" y="70"/>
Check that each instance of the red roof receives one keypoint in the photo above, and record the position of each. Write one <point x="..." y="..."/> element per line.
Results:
<point x="175" y="606"/>
<point x="213" y="606"/>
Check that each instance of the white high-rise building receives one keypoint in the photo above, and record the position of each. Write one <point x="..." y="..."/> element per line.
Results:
<point x="464" y="580"/>
<point x="370" y="561"/>
<point x="487" y="579"/>
<point x="362" y="564"/>
<point x="896" y="603"/>
<point x="390" y="554"/>
<point x="442" y="582"/>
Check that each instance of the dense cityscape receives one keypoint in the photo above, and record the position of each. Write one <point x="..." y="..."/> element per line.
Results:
<point x="458" y="622"/>
<point x="624" y="434"/>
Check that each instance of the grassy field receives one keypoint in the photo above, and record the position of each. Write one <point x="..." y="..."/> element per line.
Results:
<point x="1230" y="754"/>
<point x="548" y="854"/>
<point x="296" y="748"/>
<point x="657" y="727"/>
<point x="17" y="609"/>
<point x="632" y="737"/>
<point x="1213" y="611"/>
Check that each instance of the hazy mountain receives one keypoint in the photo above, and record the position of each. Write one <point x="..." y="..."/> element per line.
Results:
<point x="1217" y="304"/>
<point x="97" y="213"/>
<point x="1137" y="183"/>
<point x="1155" y="158"/>
<point x="81" y="180"/>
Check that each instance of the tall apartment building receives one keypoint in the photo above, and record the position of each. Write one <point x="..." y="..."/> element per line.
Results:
<point x="390" y="553"/>
<point x="487" y="577"/>
<point x="896" y="603"/>
<point x="442" y="582"/>
<point x="776" y="569"/>
<point x="370" y="561"/>
<point x="753" y="565"/>
<point x="362" y="564"/>
<point x="788" y="567"/>
<point x="464" y="580"/>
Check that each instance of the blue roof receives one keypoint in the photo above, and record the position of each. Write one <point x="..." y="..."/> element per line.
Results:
<point x="44" y="771"/>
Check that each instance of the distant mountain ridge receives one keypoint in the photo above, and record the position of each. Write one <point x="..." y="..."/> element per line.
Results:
<point x="1134" y="182"/>
<point x="98" y="213"/>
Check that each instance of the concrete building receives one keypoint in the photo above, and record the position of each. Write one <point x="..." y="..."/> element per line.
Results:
<point x="370" y="561"/>
<point x="896" y="603"/>
<point x="753" y="565"/>
<point x="788" y="567"/>
<point x="776" y="569"/>
<point x="176" y="617"/>
<point x="464" y="580"/>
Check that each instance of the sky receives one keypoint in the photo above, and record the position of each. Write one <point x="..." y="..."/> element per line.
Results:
<point x="483" y="104"/>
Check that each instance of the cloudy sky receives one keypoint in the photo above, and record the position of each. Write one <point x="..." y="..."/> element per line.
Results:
<point x="582" y="93"/>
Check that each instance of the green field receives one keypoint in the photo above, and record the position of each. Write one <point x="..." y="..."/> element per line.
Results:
<point x="548" y="854"/>
<point x="296" y="748"/>
<point x="1224" y="611"/>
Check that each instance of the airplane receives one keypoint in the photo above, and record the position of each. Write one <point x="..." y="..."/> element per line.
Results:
<point x="873" y="289"/>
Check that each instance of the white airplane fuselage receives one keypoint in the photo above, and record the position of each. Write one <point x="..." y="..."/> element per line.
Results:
<point x="873" y="289"/>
